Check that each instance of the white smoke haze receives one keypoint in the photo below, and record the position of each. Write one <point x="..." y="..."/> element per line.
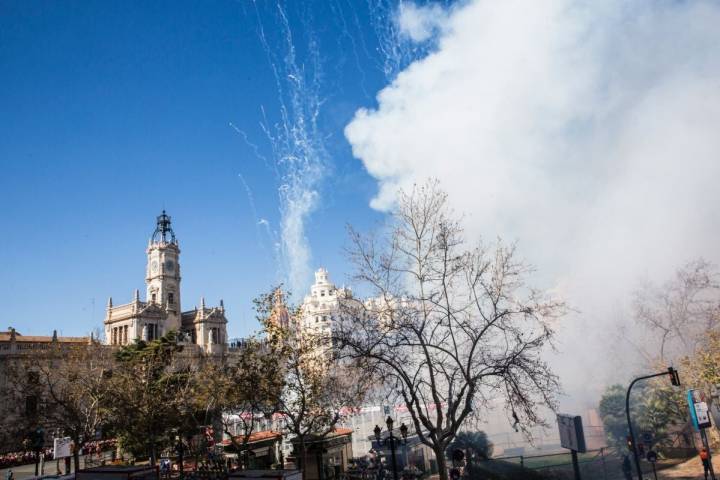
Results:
<point x="588" y="131"/>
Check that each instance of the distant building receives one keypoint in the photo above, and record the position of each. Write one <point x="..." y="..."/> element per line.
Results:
<point x="161" y="310"/>
<point x="202" y="332"/>
<point x="322" y="307"/>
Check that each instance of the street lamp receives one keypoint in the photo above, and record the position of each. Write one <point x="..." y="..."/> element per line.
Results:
<point x="391" y="440"/>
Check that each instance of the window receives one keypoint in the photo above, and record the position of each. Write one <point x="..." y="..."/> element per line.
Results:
<point x="171" y="298"/>
<point x="317" y="319"/>
<point x="154" y="297"/>
<point x="33" y="378"/>
<point x="322" y="293"/>
<point x="150" y="332"/>
<point x="324" y="318"/>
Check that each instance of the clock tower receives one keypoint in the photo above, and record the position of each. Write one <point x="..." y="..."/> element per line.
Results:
<point x="163" y="272"/>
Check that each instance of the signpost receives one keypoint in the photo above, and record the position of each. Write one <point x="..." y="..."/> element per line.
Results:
<point x="700" y="415"/>
<point x="572" y="437"/>
<point x="62" y="447"/>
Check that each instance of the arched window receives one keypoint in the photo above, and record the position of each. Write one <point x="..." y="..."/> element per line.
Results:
<point x="171" y="298"/>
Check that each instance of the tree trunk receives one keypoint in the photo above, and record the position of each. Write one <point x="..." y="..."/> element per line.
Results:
<point x="153" y="455"/>
<point x="76" y="458"/>
<point x="303" y="458"/>
<point x="441" y="463"/>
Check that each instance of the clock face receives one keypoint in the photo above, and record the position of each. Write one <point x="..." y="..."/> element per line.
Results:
<point x="154" y="266"/>
<point x="170" y="266"/>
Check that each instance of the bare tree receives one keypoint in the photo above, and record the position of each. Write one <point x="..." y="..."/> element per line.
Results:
<point x="452" y="327"/>
<point x="76" y="392"/>
<point x="71" y="381"/>
<point x="680" y="312"/>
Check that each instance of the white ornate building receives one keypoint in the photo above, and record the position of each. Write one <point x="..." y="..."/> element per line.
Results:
<point x="161" y="311"/>
<point x="321" y="308"/>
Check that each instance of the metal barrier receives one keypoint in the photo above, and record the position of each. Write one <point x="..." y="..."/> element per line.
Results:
<point x="594" y="465"/>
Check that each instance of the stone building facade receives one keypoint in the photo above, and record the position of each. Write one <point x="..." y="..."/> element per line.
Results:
<point x="161" y="310"/>
<point x="24" y="401"/>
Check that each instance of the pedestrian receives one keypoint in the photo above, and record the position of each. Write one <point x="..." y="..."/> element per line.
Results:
<point x="705" y="459"/>
<point x="9" y="475"/>
<point x="627" y="468"/>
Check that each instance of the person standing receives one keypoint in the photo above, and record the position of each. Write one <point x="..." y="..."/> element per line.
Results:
<point x="9" y="475"/>
<point x="705" y="459"/>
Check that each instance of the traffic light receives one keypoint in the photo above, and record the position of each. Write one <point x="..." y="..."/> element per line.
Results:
<point x="674" y="376"/>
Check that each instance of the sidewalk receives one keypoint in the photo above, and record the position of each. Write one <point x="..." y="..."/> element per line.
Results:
<point x="690" y="470"/>
<point x="28" y="471"/>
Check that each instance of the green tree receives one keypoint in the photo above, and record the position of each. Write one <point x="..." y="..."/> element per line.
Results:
<point x="244" y="391"/>
<point x="612" y="412"/>
<point x="475" y="444"/>
<point x="663" y="413"/>
<point x="656" y="407"/>
<point x="149" y="385"/>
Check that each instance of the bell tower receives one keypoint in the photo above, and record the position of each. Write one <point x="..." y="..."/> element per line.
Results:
<point x="163" y="271"/>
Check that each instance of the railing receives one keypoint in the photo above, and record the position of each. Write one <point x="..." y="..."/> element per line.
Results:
<point x="598" y="464"/>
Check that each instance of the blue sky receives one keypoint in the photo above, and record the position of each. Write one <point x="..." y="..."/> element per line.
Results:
<point x="113" y="111"/>
<point x="584" y="131"/>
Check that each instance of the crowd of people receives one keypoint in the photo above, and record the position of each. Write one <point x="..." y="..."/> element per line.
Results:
<point x="13" y="459"/>
<point x="22" y="458"/>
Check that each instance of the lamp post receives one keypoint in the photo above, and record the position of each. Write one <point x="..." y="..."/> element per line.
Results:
<point x="391" y="440"/>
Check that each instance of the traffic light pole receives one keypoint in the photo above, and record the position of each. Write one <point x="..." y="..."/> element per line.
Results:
<point x="675" y="381"/>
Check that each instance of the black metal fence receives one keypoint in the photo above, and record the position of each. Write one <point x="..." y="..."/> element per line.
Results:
<point x="594" y="465"/>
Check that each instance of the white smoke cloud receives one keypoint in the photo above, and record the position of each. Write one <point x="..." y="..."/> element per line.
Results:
<point x="586" y="130"/>
<point x="420" y="23"/>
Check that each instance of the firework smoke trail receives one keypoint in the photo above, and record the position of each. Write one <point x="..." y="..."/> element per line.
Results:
<point x="342" y="23"/>
<point x="299" y="153"/>
<point x="262" y="227"/>
<point x="397" y="50"/>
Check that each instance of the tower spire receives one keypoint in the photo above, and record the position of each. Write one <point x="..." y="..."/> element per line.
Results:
<point x="163" y="230"/>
